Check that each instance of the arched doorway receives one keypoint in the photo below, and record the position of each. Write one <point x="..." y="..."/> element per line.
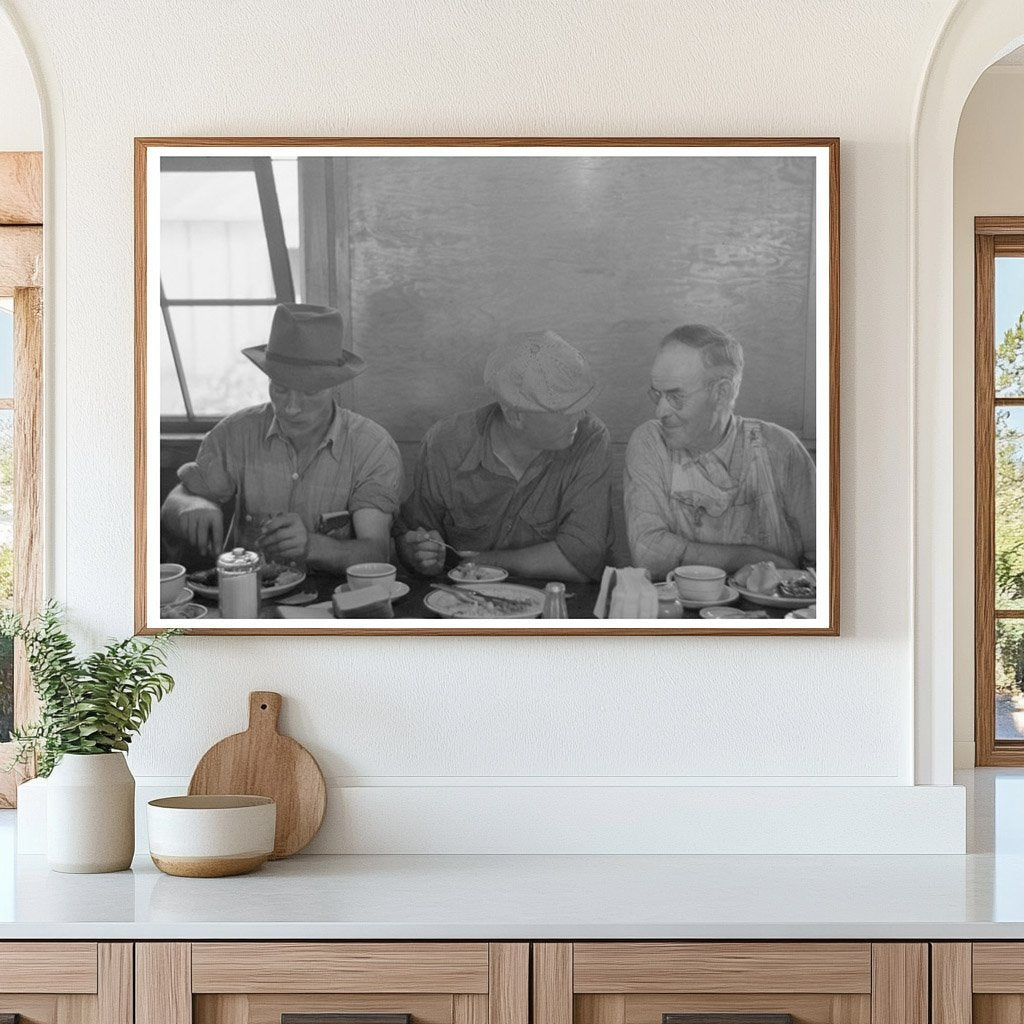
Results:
<point x="977" y="33"/>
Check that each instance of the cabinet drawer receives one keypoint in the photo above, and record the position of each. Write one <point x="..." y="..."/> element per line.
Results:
<point x="340" y="967"/>
<point x="58" y="967"/>
<point x="730" y="983"/>
<point x="635" y="967"/>
<point x="332" y="983"/>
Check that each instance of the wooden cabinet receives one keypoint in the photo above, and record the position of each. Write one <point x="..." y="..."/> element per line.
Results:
<point x="66" y="982"/>
<point x="978" y="983"/>
<point x="758" y="982"/>
<point x="310" y="982"/>
<point x="494" y="983"/>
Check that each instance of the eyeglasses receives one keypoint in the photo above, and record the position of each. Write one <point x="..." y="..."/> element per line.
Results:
<point x="676" y="398"/>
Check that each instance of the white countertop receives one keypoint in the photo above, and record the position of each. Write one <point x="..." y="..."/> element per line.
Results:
<point x="977" y="896"/>
<point x="516" y="897"/>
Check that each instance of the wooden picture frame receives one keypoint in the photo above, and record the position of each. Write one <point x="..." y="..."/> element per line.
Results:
<point x="739" y="258"/>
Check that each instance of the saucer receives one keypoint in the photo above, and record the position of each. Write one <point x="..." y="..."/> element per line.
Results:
<point x="189" y="610"/>
<point x="726" y="596"/>
<point x="398" y="590"/>
<point x="810" y="612"/>
<point x="720" y="612"/>
<point x="182" y="598"/>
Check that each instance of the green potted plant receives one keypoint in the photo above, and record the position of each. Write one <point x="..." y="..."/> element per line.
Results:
<point x="90" y="707"/>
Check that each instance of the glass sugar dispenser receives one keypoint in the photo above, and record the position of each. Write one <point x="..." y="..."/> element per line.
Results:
<point x="554" y="602"/>
<point x="238" y="583"/>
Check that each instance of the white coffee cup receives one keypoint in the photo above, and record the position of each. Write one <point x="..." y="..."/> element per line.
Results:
<point x="366" y="574"/>
<point x="172" y="582"/>
<point x="697" y="582"/>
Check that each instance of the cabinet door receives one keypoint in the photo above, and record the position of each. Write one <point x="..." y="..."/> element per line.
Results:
<point x="981" y="982"/>
<point x="65" y="983"/>
<point x="332" y="983"/>
<point x="730" y="983"/>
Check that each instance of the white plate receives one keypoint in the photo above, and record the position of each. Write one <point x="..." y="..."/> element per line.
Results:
<point x="773" y="600"/>
<point x="288" y="579"/>
<point x="184" y="596"/>
<point x="810" y="612"/>
<point x="731" y="613"/>
<point x="188" y="610"/>
<point x="398" y="590"/>
<point x="488" y="574"/>
<point x="726" y="596"/>
<point x="448" y="606"/>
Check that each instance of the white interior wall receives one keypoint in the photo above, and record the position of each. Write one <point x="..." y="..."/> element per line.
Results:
<point x="433" y="715"/>
<point x="21" y="127"/>
<point x="987" y="182"/>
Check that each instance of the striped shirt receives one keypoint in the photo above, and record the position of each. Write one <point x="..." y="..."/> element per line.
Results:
<point x="757" y="487"/>
<point x="246" y="457"/>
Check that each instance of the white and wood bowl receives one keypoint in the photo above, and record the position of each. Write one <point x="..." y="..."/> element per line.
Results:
<point x="211" y="836"/>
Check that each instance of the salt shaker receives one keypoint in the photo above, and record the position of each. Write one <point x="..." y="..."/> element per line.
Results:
<point x="238" y="575"/>
<point x="554" y="602"/>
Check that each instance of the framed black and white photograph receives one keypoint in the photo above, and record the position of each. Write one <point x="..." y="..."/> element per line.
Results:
<point x="501" y="386"/>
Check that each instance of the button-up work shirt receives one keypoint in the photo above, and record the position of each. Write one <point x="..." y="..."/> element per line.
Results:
<point x="245" y="456"/>
<point x="462" y="490"/>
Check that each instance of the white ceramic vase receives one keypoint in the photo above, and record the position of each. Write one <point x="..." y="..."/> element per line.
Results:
<point x="90" y="814"/>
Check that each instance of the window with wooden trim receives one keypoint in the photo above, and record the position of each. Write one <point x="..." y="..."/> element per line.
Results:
<point x="21" y="365"/>
<point x="999" y="490"/>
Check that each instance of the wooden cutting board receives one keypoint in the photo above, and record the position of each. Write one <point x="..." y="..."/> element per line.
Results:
<point x="262" y="762"/>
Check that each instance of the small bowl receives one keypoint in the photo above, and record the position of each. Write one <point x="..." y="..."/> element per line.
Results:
<point x="698" y="582"/>
<point x="172" y="582"/>
<point x="182" y="598"/>
<point x="366" y="574"/>
<point x="211" y="836"/>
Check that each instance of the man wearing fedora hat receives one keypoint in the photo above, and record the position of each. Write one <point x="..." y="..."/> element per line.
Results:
<point x="524" y="483"/>
<point x="295" y="464"/>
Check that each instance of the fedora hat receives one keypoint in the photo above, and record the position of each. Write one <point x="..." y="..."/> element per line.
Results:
<point x="305" y="350"/>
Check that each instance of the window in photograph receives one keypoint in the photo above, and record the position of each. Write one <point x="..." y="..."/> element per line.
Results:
<point x="229" y="245"/>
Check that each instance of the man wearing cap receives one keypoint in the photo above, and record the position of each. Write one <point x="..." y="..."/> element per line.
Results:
<point x="295" y="465"/>
<point x="524" y="483"/>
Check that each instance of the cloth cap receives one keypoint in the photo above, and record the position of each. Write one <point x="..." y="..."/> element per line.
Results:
<point x="305" y="349"/>
<point x="541" y="373"/>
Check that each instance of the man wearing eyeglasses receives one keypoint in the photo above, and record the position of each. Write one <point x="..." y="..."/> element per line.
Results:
<point x="704" y="486"/>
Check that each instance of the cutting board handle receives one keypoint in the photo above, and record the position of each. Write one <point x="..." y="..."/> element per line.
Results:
<point x="264" y="710"/>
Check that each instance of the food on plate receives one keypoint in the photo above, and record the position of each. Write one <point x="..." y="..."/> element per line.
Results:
<point x="762" y="578"/>
<point x="493" y="600"/>
<point x="765" y="579"/>
<point x="269" y="572"/>
<point x="470" y="572"/>
<point x="272" y="575"/>
<point x="482" y="607"/>
<point x="799" y="586"/>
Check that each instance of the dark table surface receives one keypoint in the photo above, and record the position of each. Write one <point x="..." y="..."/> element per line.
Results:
<point x="580" y="597"/>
